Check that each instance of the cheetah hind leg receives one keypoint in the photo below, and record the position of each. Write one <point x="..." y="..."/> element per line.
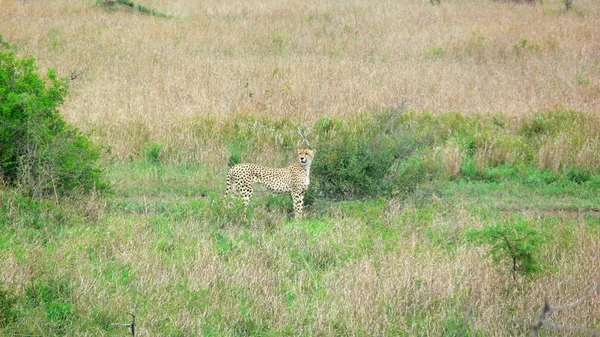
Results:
<point x="229" y="185"/>
<point x="245" y="190"/>
<point x="230" y="190"/>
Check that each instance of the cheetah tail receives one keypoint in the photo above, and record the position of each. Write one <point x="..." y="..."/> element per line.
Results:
<point x="228" y="184"/>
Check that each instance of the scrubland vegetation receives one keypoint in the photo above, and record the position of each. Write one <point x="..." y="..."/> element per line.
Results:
<point x="455" y="188"/>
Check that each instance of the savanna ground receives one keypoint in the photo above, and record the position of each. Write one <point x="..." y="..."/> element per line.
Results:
<point x="495" y="104"/>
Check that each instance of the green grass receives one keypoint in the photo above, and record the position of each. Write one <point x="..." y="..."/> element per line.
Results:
<point x="529" y="194"/>
<point x="140" y="254"/>
<point x="165" y="245"/>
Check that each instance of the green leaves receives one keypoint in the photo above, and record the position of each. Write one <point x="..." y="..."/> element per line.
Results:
<point x="361" y="158"/>
<point x="39" y="151"/>
<point x="516" y="244"/>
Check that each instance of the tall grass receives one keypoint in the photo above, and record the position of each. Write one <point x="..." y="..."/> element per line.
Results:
<point x="146" y="77"/>
<point x="166" y="244"/>
<point x="448" y="144"/>
<point x="186" y="267"/>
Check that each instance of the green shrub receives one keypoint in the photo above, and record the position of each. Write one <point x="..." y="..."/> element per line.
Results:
<point x="516" y="244"/>
<point x="578" y="176"/>
<point x="359" y="159"/>
<point x="152" y="153"/>
<point x="39" y="151"/>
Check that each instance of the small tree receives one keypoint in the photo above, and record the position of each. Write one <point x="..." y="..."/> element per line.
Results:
<point x="516" y="244"/>
<point x="39" y="152"/>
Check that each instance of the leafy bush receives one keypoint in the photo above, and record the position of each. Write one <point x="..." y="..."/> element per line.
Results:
<point x="578" y="176"/>
<point x="39" y="151"/>
<point x="516" y="244"/>
<point x="408" y="175"/>
<point x="360" y="158"/>
<point x="152" y="153"/>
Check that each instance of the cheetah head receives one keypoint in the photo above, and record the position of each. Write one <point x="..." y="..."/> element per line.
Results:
<point x="306" y="156"/>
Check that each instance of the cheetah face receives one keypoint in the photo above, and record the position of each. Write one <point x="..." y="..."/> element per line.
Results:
<point x="306" y="156"/>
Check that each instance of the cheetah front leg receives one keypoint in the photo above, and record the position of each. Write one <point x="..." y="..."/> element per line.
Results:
<point x="298" y="198"/>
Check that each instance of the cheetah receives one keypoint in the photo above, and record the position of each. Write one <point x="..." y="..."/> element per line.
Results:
<point x="293" y="179"/>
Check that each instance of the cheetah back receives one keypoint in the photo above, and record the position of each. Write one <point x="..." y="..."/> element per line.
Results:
<point x="275" y="179"/>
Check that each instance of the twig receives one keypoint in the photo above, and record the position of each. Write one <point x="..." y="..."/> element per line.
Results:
<point x="303" y="137"/>
<point x="590" y="331"/>
<point x="547" y="310"/>
<point x="75" y="74"/>
<point x="146" y="222"/>
<point x="131" y="325"/>
<point x="579" y="302"/>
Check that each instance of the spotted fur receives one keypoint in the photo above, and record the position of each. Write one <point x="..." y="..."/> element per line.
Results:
<point x="293" y="179"/>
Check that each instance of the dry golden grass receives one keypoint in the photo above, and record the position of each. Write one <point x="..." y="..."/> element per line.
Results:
<point x="151" y="78"/>
<point x="452" y="158"/>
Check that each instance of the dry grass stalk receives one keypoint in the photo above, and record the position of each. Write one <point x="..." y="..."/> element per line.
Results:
<point x="452" y="158"/>
<point x="587" y="156"/>
<point x="492" y="154"/>
<point x="556" y="154"/>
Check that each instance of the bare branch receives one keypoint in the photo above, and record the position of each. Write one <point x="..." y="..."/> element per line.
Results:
<point x="579" y="302"/>
<point x="131" y="325"/>
<point x="75" y="74"/>
<point x="547" y="310"/>
<point x="535" y="329"/>
<point x="303" y="137"/>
